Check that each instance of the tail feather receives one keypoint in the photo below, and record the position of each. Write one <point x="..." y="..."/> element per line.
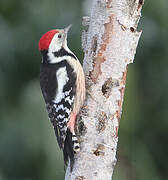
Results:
<point x="76" y="146"/>
<point x="68" y="149"/>
<point x="71" y="146"/>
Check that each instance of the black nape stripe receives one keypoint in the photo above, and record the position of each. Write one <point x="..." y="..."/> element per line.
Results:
<point x="44" y="54"/>
<point x="63" y="52"/>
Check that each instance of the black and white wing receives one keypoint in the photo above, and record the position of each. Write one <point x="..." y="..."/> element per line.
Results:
<point x="59" y="93"/>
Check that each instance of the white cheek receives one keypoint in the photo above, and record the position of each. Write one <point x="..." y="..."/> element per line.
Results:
<point x="55" y="44"/>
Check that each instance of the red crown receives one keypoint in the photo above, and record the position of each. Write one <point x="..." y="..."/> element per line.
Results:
<point x="45" y="40"/>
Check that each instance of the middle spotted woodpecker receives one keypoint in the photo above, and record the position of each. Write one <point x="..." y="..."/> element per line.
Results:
<point x="62" y="83"/>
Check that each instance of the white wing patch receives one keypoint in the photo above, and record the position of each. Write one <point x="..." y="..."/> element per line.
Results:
<point x="62" y="77"/>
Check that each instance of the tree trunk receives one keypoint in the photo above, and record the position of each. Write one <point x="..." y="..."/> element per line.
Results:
<point x="110" y="40"/>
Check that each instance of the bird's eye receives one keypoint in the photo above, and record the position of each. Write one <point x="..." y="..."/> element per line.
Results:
<point x="59" y="36"/>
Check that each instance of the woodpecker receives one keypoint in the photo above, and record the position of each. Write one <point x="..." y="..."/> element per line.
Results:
<point x="62" y="83"/>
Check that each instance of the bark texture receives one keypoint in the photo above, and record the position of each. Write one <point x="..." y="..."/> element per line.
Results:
<point x="109" y="41"/>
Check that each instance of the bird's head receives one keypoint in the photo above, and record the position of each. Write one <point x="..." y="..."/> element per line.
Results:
<point x="54" y="40"/>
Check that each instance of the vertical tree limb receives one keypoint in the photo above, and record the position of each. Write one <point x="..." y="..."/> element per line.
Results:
<point x="109" y="41"/>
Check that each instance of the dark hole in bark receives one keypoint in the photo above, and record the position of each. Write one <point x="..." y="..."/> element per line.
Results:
<point x="99" y="151"/>
<point x="94" y="44"/>
<point x="81" y="127"/>
<point x="141" y="2"/>
<point x="101" y="125"/>
<point x="108" y="85"/>
<point x="132" y="29"/>
<point x="80" y="178"/>
<point x="104" y="89"/>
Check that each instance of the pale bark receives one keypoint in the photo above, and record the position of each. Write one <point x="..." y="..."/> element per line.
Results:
<point x="109" y="41"/>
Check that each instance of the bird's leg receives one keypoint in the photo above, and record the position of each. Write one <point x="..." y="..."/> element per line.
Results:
<point x="71" y="123"/>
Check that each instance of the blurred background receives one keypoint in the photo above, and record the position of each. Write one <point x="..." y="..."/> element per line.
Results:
<point x="28" y="148"/>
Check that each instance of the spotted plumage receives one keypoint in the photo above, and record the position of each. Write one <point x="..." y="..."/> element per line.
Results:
<point x="58" y="91"/>
<point x="63" y="87"/>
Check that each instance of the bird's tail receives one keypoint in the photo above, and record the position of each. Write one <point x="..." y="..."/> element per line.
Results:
<point x="76" y="146"/>
<point x="71" y="146"/>
<point x="68" y="150"/>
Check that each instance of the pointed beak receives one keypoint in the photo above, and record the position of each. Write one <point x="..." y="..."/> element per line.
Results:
<point x="67" y="29"/>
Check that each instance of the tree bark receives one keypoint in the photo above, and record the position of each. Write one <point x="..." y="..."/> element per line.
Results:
<point x="109" y="41"/>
